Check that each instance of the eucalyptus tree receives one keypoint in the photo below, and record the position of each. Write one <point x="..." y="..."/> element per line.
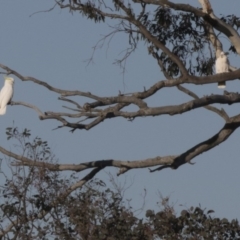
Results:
<point x="184" y="40"/>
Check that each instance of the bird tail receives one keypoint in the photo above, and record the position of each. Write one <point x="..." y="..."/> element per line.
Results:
<point x="222" y="84"/>
<point x="3" y="110"/>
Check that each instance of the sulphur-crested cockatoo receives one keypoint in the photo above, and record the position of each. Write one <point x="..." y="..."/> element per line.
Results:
<point x="6" y="94"/>
<point x="222" y="65"/>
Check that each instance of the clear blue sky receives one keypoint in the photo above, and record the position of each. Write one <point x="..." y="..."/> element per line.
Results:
<point x="53" y="47"/>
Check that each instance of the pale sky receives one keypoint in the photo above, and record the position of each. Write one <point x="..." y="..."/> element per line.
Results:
<point x="53" y="47"/>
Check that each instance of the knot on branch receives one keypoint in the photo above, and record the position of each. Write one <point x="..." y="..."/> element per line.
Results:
<point x="110" y="115"/>
<point x="87" y="107"/>
<point x="41" y="117"/>
<point x="232" y="96"/>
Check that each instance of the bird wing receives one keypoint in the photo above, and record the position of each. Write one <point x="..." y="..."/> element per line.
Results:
<point x="6" y="95"/>
<point x="218" y="65"/>
<point x="222" y="64"/>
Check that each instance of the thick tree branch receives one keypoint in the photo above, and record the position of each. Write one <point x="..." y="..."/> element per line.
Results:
<point x="150" y="162"/>
<point x="205" y="146"/>
<point x="135" y="98"/>
<point x="168" y="161"/>
<point x="115" y="111"/>
<point x="48" y="86"/>
<point x="93" y="110"/>
<point x="218" y="138"/>
<point x="216" y="43"/>
<point x="96" y="109"/>
<point x="161" y="46"/>
<point x="218" y="24"/>
<point x="221" y="112"/>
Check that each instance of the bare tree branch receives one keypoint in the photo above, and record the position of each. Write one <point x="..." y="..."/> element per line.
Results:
<point x="54" y="203"/>
<point x="221" y="112"/>
<point x="139" y="24"/>
<point x="112" y="112"/>
<point x="218" y="24"/>
<point x="204" y="146"/>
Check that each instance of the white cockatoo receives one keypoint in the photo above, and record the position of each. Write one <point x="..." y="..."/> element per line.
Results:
<point x="222" y="65"/>
<point x="6" y="94"/>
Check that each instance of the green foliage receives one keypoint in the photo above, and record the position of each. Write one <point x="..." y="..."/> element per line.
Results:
<point x="87" y="9"/>
<point x="232" y="20"/>
<point x="98" y="212"/>
<point x="31" y="201"/>
<point x="184" y="34"/>
<point x="193" y="224"/>
<point x="12" y="132"/>
<point x="37" y="149"/>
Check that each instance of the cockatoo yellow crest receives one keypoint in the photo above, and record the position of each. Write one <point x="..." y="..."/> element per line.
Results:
<point x="222" y="65"/>
<point x="6" y="94"/>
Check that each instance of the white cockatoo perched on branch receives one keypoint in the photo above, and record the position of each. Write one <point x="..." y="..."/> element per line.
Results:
<point x="6" y="94"/>
<point x="222" y="65"/>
